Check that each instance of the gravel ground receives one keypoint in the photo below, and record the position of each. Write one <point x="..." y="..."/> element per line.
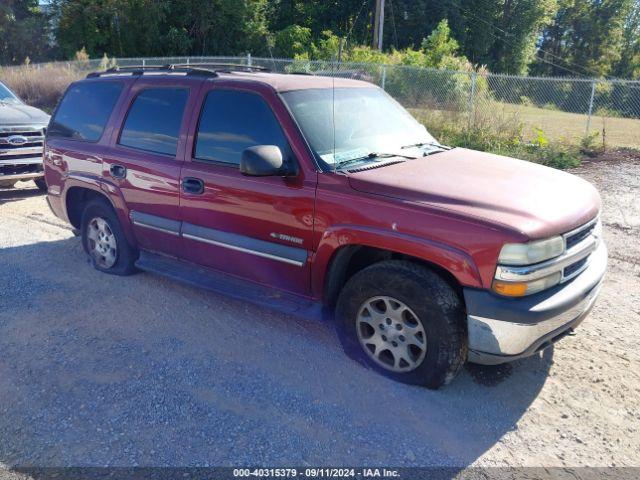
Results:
<point x="98" y="370"/>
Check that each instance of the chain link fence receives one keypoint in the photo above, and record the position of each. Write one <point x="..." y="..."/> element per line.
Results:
<point x="564" y="109"/>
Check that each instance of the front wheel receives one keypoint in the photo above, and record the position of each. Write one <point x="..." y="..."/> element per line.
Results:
<point x="404" y="321"/>
<point x="104" y="240"/>
<point x="41" y="184"/>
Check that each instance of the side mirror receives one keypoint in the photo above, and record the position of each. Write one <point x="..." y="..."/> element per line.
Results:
<point x="262" y="161"/>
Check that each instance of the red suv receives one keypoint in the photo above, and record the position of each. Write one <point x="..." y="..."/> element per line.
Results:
<point x="316" y="195"/>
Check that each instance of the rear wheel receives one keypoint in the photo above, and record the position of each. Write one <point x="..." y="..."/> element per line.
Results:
<point x="404" y="321"/>
<point x="104" y="240"/>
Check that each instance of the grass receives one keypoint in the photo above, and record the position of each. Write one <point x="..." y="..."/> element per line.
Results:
<point x="572" y="127"/>
<point x="41" y="85"/>
<point x="503" y="133"/>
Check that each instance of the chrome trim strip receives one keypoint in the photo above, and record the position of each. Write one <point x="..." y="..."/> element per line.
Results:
<point x="154" y="222"/>
<point x="22" y="176"/>
<point x="244" y="250"/>
<point x="21" y="161"/>
<point x="580" y="228"/>
<point x="21" y="128"/>
<point x="36" y="150"/>
<point x="153" y="227"/>
<point x="232" y="241"/>
<point x="5" y="140"/>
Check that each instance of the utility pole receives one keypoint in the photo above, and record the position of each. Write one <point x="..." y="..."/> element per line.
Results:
<point x="378" y="26"/>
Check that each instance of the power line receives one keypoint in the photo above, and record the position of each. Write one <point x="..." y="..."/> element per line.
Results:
<point x="355" y="21"/>
<point x="505" y="33"/>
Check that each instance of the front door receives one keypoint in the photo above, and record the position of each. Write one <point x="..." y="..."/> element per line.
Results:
<point x="147" y="153"/>
<point x="258" y="228"/>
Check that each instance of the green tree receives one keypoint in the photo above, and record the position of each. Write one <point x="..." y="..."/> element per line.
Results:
<point x="585" y="38"/>
<point x="439" y="46"/>
<point x="24" y="32"/>
<point x="293" y="41"/>
<point x="162" y="27"/>
<point x="629" y="64"/>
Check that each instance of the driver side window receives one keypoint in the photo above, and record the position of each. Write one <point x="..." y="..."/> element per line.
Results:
<point x="232" y="121"/>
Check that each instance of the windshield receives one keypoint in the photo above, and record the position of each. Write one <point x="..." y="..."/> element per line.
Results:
<point x="7" y="95"/>
<point x="368" y="124"/>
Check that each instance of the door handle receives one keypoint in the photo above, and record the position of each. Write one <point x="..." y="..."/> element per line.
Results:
<point x="192" y="185"/>
<point x="117" y="171"/>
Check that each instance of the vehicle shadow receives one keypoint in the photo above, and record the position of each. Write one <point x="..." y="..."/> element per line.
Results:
<point x="99" y="370"/>
<point x="14" y="194"/>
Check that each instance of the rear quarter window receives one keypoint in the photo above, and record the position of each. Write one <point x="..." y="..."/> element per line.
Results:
<point x="85" y="110"/>
<point x="154" y="120"/>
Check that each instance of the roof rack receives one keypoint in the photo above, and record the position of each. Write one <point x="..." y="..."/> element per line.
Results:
<point x="224" y="67"/>
<point x="201" y="69"/>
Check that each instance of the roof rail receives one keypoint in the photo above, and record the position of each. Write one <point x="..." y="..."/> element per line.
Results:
<point x="224" y="67"/>
<point x="141" y="69"/>
<point x="202" y="69"/>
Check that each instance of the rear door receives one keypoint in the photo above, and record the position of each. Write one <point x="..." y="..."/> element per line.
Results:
<point x="146" y="154"/>
<point x="259" y="228"/>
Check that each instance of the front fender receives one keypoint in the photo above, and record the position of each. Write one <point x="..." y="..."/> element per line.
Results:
<point x="455" y="261"/>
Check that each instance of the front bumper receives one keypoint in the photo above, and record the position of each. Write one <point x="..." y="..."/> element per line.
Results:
<point x="504" y="329"/>
<point x="21" y="168"/>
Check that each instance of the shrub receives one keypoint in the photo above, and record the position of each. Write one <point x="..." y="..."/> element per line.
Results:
<point x="499" y="133"/>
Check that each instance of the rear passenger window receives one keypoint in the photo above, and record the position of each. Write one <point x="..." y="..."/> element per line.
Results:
<point x="154" y="119"/>
<point x="232" y="121"/>
<point x="85" y="110"/>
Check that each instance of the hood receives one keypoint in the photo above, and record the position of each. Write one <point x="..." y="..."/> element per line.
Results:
<point x="535" y="200"/>
<point x="21" y="114"/>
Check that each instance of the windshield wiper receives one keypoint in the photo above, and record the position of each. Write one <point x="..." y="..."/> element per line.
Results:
<point x="372" y="156"/>
<point x="426" y="144"/>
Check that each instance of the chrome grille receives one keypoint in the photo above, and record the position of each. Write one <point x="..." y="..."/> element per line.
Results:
<point x="21" y="143"/>
<point x="577" y="240"/>
<point x="574" y="238"/>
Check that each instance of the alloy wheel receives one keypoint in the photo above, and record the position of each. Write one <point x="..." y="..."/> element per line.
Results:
<point x="102" y="242"/>
<point x="391" y="334"/>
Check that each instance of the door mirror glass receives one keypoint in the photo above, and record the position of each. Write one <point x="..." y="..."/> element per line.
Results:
<point x="262" y="161"/>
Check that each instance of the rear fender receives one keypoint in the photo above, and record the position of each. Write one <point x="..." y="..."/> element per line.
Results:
<point x="108" y="190"/>
<point x="457" y="262"/>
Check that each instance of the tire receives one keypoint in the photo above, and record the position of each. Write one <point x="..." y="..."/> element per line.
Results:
<point x="104" y="241"/>
<point x="419" y="311"/>
<point x="41" y="184"/>
<point x="7" y="183"/>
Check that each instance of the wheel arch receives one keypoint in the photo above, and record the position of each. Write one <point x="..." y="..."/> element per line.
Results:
<point x="337" y="262"/>
<point x="79" y="193"/>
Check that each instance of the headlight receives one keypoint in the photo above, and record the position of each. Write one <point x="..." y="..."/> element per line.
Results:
<point x="532" y="252"/>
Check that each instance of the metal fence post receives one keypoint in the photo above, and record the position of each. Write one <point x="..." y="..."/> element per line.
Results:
<point x="144" y="62"/>
<point x="593" y="93"/>
<point x="383" y="81"/>
<point x="472" y="98"/>
<point x="249" y="59"/>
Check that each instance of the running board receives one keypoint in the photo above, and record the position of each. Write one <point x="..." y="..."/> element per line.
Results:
<point x="230" y="286"/>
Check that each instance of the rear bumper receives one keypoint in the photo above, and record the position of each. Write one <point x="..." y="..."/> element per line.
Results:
<point x="504" y="329"/>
